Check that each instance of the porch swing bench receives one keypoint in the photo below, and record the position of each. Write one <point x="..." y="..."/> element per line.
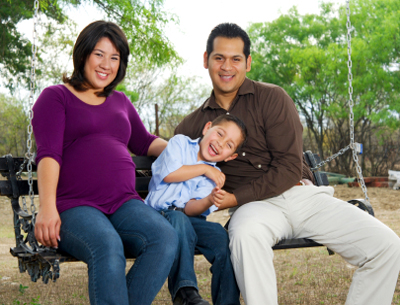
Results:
<point x="40" y="261"/>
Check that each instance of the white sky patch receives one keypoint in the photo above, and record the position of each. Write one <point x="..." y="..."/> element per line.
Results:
<point x="197" y="19"/>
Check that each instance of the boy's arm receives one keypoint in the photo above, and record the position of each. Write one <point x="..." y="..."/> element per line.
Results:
<point x="186" y="172"/>
<point x="196" y="207"/>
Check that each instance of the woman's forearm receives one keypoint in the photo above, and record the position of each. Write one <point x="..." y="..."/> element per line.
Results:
<point x="156" y="147"/>
<point x="48" y="222"/>
<point x="48" y="173"/>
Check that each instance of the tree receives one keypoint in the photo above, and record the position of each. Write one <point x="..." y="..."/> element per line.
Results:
<point x="13" y="127"/>
<point x="307" y="56"/>
<point x="56" y="42"/>
<point x="175" y="96"/>
<point x="15" y="49"/>
<point x="142" y="22"/>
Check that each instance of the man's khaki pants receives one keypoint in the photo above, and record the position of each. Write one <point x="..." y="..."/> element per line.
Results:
<point x="313" y="212"/>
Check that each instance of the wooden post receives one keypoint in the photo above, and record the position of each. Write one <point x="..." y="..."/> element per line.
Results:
<point x="157" y="123"/>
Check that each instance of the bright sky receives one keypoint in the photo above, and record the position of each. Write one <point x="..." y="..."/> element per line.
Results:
<point x="198" y="18"/>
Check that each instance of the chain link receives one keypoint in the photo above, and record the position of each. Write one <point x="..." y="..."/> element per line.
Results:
<point x="351" y="105"/>
<point x="19" y="178"/>
<point x="29" y="155"/>
<point x="351" y="146"/>
<point x="329" y="159"/>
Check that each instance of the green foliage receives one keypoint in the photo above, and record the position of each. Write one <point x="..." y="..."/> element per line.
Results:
<point x="22" y="288"/>
<point x="56" y="43"/>
<point x="132" y="95"/>
<point x="15" y="49"/>
<point x="13" y="127"/>
<point x="142" y="21"/>
<point x="307" y="56"/>
<point x="175" y="97"/>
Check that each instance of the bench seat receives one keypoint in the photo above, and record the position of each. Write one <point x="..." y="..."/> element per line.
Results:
<point x="44" y="262"/>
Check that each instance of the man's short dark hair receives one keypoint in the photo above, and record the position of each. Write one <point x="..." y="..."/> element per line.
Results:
<point x="228" y="30"/>
<point x="84" y="46"/>
<point x="231" y="118"/>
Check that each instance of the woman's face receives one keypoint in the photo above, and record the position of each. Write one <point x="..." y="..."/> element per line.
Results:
<point x="102" y="65"/>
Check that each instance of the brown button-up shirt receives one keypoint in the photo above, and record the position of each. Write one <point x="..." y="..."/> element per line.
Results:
<point x="272" y="160"/>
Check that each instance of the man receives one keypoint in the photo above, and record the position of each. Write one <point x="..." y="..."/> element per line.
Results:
<point x="262" y="182"/>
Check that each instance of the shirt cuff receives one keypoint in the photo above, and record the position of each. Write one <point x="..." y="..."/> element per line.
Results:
<point x="244" y="195"/>
<point x="41" y="155"/>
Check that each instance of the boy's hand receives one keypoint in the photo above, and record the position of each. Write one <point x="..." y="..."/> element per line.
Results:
<point x="217" y="196"/>
<point x="215" y="175"/>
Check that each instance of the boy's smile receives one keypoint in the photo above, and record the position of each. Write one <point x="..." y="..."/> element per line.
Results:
<point x="219" y="142"/>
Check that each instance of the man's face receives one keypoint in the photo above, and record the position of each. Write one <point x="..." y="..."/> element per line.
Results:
<point x="227" y="65"/>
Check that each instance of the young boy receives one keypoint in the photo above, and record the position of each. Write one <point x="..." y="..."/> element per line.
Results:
<point x="186" y="187"/>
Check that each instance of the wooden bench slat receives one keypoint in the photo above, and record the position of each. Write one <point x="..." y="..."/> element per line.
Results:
<point x="23" y="187"/>
<point x="143" y="162"/>
<point x="17" y="164"/>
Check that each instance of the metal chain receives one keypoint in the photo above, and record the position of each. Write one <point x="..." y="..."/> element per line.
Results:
<point x="351" y="104"/>
<point x="351" y="146"/>
<point x="329" y="159"/>
<point x="29" y="155"/>
<point x="19" y="178"/>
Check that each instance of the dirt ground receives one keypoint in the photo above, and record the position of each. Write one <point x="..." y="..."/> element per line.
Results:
<point x="305" y="276"/>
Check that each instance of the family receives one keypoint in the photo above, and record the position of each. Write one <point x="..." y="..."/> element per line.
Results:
<point x="242" y="149"/>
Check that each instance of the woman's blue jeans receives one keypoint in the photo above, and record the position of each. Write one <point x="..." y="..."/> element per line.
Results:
<point x="212" y="241"/>
<point x="100" y="241"/>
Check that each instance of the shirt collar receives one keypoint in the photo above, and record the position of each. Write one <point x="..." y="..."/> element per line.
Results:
<point x="246" y="88"/>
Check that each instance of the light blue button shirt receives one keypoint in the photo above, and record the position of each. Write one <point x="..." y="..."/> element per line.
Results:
<point x="181" y="150"/>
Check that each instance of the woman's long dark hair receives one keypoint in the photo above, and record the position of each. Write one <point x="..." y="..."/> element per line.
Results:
<point x="84" y="46"/>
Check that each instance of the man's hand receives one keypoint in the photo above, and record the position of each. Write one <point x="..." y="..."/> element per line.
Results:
<point x="215" y="175"/>
<point x="306" y="182"/>
<point x="229" y="201"/>
<point x="47" y="227"/>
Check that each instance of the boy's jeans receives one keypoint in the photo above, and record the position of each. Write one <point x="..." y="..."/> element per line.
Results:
<point x="212" y="241"/>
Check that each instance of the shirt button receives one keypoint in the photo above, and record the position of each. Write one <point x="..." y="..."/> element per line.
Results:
<point x="227" y="113"/>
<point x="259" y="165"/>
<point x="243" y="154"/>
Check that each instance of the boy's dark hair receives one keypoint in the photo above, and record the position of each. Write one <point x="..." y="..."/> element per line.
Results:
<point x="228" y="30"/>
<point x="231" y="118"/>
<point x="84" y="46"/>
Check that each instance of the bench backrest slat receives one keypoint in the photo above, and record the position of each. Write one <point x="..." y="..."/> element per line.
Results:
<point x="141" y="162"/>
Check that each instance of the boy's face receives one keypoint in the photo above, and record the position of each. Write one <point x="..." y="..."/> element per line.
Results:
<point x="219" y="142"/>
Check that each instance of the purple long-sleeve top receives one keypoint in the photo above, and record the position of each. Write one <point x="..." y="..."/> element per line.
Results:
<point x="91" y="145"/>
